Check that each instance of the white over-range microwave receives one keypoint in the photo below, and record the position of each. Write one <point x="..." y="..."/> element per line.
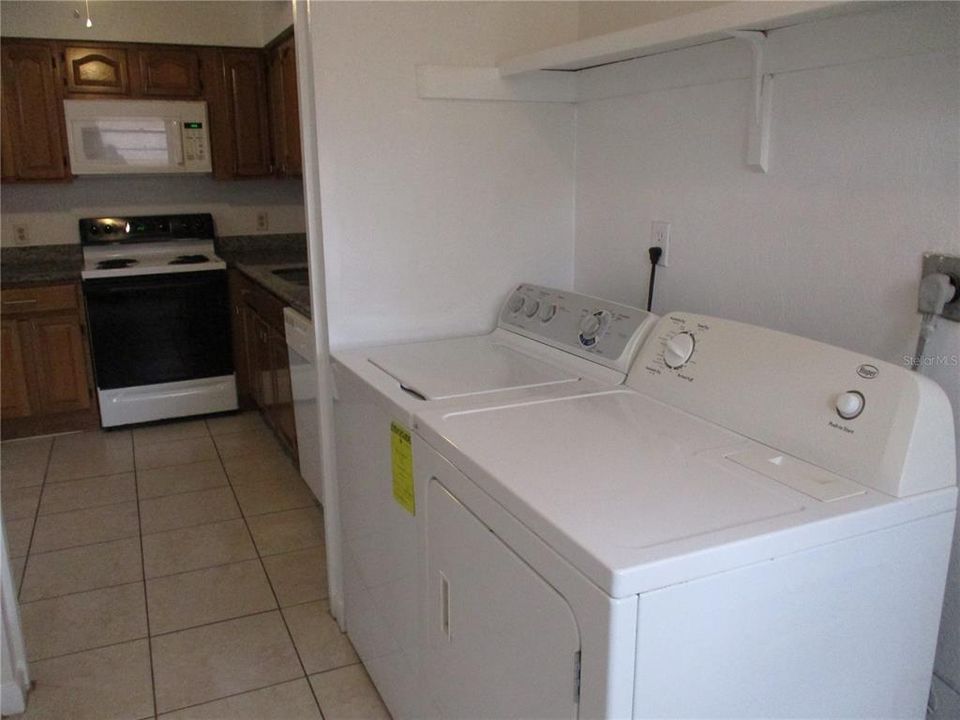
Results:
<point x="120" y="137"/>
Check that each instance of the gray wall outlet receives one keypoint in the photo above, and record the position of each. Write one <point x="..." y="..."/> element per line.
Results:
<point x="949" y="265"/>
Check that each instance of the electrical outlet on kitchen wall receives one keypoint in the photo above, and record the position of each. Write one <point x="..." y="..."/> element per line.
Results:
<point x="21" y="236"/>
<point x="263" y="221"/>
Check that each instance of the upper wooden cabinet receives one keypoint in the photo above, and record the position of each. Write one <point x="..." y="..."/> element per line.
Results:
<point x="244" y="136"/>
<point x="33" y="132"/>
<point x="285" y="108"/>
<point x="169" y="72"/>
<point x="96" y="70"/>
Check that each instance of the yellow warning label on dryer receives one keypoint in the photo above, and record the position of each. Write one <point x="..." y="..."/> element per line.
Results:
<point x="401" y="454"/>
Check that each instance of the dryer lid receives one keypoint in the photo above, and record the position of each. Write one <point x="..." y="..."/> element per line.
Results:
<point x="466" y="366"/>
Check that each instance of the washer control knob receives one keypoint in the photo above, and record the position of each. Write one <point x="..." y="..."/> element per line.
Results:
<point x="850" y="404"/>
<point x="547" y="312"/>
<point x="590" y="326"/>
<point x="515" y="303"/>
<point x="678" y="350"/>
<point x="531" y="308"/>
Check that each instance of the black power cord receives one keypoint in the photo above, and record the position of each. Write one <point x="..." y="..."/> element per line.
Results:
<point x="655" y="253"/>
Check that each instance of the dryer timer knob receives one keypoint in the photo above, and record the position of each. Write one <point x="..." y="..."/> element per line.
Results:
<point x="678" y="349"/>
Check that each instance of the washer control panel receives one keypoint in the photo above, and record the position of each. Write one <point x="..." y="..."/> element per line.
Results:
<point x="606" y="332"/>
<point x="832" y="408"/>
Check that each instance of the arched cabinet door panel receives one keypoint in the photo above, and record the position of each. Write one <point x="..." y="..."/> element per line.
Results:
<point x="96" y="70"/>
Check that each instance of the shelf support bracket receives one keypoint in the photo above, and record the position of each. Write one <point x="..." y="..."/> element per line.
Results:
<point x="758" y="137"/>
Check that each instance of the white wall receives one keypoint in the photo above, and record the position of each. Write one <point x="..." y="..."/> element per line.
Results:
<point x="432" y="209"/>
<point x="195" y="22"/>
<point x="863" y="179"/>
<point x="50" y="211"/>
<point x="600" y="16"/>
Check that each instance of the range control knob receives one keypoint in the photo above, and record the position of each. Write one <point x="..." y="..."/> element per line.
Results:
<point x="677" y="351"/>
<point x="850" y="404"/>
<point x="547" y="312"/>
<point x="531" y="308"/>
<point x="515" y="303"/>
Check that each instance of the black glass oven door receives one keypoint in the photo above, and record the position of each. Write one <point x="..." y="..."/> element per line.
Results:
<point x="153" y="329"/>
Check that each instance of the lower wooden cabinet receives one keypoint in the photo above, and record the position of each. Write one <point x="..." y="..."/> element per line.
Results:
<point x="47" y="385"/>
<point x="260" y="356"/>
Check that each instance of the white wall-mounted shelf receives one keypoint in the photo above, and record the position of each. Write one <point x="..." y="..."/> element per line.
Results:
<point x="695" y="28"/>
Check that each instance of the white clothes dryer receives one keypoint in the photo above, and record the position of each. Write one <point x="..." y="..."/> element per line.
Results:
<point x="548" y="343"/>
<point x="757" y="525"/>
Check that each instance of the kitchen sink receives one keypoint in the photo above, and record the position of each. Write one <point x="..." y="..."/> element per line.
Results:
<point x="294" y="275"/>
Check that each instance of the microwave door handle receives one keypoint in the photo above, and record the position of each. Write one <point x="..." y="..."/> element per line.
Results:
<point x="177" y="143"/>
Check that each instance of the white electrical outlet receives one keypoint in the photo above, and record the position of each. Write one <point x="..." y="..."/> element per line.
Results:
<point x="263" y="220"/>
<point x="20" y="235"/>
<point x="660" y="237"/>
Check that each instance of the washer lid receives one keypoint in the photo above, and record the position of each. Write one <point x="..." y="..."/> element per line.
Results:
<point x="466" y="366"/>
<point x="617" y="482"/>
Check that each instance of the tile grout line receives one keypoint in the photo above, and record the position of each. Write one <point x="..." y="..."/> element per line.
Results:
<point x="276" y="598"/>
<point x="36" y="516"/>
<point x="143" y="579"/>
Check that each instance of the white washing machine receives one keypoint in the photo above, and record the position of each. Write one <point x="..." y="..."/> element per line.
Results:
<point x="548" y="343"/>
<point x="757" y="525"/>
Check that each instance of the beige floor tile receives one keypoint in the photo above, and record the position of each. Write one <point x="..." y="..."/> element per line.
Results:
<point x="204" y="596"/>
<point x="18" y="536"/>
<point x="272" y="466"/>
<point x="257" y="499"/>
<point x="289" y="701"/>
<point x="90" y="454"/>
<point x="195" y="508"/>
<point x="17" y="566"/>
<point x="247" y="442"/>
<point x="31" y="451"/>
<point x="82" y="568"/>
<point x="166" y="432"/>
<point x="318" y="638"/>
<point x="287" y="531"/>
<point x="180" y="479"/>
<point x="299" y="576"/>
<point x="112" y="682"/>
<point x="83" y="621"/>
<point x="22" y="475"/>
<point x="87" y="493"/>
<point x="226" y="424"/>
<point x="20" y="503"/>
<point x="175" y="452"/>
<point x="197" y="547"/>
<point x="85" y="527"/>
<point x="213" y="661"/>
<point x="348" y="694"/>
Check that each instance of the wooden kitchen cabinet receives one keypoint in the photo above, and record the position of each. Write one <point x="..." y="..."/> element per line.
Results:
<point x="100" y="70"/>
<point x="169" y="72"/>
<point x="238" y="109"/>
<point x="284" y="107"/>
<point x="260" y="356"/>
<point x="34" y="138"/>
<point x="47" y="384"/>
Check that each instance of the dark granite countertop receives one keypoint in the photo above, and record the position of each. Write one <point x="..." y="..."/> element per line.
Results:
<point x="40" y="265"/>
<point x="257" y="258"/>
<point x="296" y="296"/>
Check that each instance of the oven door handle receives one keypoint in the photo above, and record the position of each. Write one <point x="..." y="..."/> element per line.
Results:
<point x="91" y="289"/>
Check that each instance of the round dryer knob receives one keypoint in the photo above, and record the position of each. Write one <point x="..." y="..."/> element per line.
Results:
<point x="515" y="303"/>
<point x="547" y="312"/>
<point x="531" y="308"/>
<point x="850" y="404"/>
<point x="678" y="350"/>
<point x="590" y="325"/>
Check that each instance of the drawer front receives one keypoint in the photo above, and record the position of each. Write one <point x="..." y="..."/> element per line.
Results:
<point x="38" y="299"/>
<point x="268" y="306"/>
